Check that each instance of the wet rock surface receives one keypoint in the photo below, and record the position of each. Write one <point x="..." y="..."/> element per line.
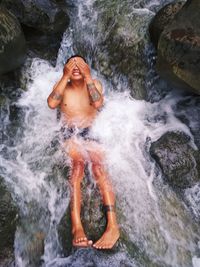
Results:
<point x="44" y="46"/>
<point x="46" y="15"/>
<point x="179" y="49"/>
<point x="177" y="159"/>
<point x="188" y="111"/>
<point x="12" y="42"/>
<point x="164" y="16"/>
<point x="90" y="257"/>
<point x="8" y="222"/>
<point x="43" y="23"/>
<point x="120" y="53"/>
<point x="126" y="44"/>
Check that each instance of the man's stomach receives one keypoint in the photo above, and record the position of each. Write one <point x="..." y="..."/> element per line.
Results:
<point x="78" y="119"/>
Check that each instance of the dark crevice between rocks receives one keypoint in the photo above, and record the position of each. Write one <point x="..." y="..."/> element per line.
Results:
<point x="44" y="46"/>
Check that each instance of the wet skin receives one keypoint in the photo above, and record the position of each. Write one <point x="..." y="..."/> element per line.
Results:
<point x="79" y="101"/>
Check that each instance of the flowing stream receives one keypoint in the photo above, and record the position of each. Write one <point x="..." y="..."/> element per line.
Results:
<point x="158" y="227"/>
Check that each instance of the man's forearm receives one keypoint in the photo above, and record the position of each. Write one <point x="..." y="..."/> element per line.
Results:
<point x="92" y="90"/>
<point x="58" y="91"/>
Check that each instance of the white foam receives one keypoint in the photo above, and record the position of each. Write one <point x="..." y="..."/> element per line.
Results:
<point x="126" y="128"/>
<point x="196" y="262"/>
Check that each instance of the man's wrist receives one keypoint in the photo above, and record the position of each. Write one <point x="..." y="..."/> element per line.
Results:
<point x="91" y="86"/>
<point x="88" y="79"/>
<point x="65" y="77"/>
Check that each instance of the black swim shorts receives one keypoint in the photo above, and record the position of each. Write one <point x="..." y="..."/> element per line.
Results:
<point x="68" y="132"/>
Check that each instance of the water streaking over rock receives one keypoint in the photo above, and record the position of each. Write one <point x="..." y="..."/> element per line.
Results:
<point x="157" y="228"/>
<point x="28" y="159"/>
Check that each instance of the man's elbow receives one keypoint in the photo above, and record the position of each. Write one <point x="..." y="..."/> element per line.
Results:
<point x="98" y="104"/>
<point x="51" y="104"/>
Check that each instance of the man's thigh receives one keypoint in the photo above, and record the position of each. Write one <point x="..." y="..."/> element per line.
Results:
<point x="95" y="152"/>
<point x="75" y="150"/>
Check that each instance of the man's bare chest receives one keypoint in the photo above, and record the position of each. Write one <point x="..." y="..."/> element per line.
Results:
<point x="76" y="100"/>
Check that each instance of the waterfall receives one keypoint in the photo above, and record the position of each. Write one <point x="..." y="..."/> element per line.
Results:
<point x="35" y="167"/>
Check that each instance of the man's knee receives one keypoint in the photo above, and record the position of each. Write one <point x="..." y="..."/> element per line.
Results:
<point x="97" y="170"/>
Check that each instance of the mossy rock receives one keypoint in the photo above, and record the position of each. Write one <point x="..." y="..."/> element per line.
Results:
<point x="120" y="53"/>
<point x="164" y="16"/>
<point x="12" y="42"/>
<point x="8" y="223"/>
<point x="177" y="159"/>
<point x="179" y="49"/>
<point x="44" y="15"/>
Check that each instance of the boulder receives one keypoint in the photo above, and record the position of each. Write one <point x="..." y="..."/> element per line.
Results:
<point x="164" y="16"/>
<point x="179" y="48"/>
<point x="126" y="43"/>
<point x="188" y="111"/>
<point x="121" y="38"/>
<point x="44" y="15"/>
<point x="8" y="221"/>
<point x="12" y="42"/>
<point x="178" y="160"/>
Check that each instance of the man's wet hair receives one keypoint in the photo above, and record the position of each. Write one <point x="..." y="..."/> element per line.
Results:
<point x="75" y="56"/>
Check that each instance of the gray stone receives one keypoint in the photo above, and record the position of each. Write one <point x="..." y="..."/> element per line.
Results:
<point x="8" y="222"/>
<point x="12" y="42"/>
<point x="44" y="15"/>
<point x="164" y="16"/>
<point x="120" y="53"/>
<point x="179" y="48"/>
<point x="177" y="159"/>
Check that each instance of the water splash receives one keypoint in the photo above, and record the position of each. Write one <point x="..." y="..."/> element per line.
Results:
<point x="151" y="215"/>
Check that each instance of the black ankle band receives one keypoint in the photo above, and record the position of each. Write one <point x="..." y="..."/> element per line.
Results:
<point x="107" y="208"/>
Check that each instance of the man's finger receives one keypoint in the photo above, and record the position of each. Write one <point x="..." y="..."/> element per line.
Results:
<point x="82" y="65"/>
<point x="79" y="59"/>
<point x="70" y="64"/>
<point x="79" y="66"/>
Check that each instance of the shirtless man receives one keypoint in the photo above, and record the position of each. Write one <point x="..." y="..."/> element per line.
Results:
<point x="79" y="98"/>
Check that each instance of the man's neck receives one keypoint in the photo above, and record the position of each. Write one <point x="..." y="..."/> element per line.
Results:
<point x="78" y="84"/>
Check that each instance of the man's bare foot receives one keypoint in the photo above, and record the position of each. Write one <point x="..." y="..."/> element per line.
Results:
<point x="80" y="239"/>
<point x="109" y="238"/>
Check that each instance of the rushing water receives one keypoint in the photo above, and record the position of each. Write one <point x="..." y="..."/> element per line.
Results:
<point x="153" y="219"/>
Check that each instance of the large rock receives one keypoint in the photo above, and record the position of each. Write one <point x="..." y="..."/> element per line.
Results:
<point x="8" y="216"/>
<point x="126" y="42"/>
<point x="179" y="48"/>
<point x="178" y="160"/>
<point x="43" y="23"/>
<point x="188" y="111"/>
<point x="164" y="16"/>
<point x="44" y="46"/>
<point x="12" y="42"/>
<point x="119" y="45"/>
<point x="44" y="15"/>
